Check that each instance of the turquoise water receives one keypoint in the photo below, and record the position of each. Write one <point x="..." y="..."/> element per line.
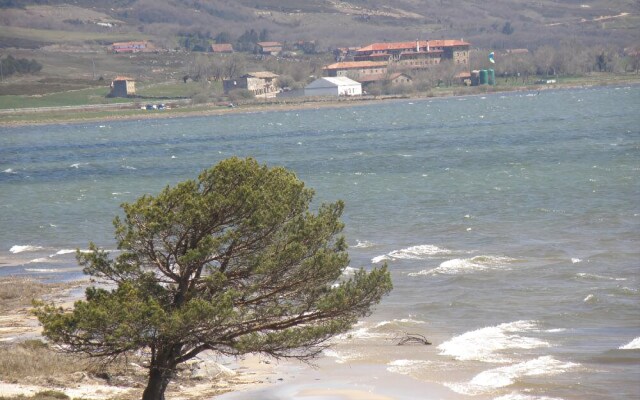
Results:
<point x="511" y="224"/>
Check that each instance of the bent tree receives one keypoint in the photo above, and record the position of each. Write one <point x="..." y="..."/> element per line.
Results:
<point x="233" y="262"/>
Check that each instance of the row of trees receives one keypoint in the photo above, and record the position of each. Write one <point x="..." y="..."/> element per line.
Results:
<point x="568" y="58"/>
<point x="11" y="65"/>
<point x="200" y="41"/>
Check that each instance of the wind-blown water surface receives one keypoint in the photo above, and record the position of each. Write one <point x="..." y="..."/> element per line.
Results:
<point x="511" y="224"/>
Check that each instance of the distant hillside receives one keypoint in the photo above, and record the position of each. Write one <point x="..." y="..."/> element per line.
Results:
<point x="487" y="24"/>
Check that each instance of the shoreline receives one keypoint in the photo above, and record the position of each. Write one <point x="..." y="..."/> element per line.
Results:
<point x="248" y="377"/>
<point x="210" y="109"/>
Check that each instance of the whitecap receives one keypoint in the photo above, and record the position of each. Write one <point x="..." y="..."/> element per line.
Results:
<point x="632" y="345"/>
<point x="379" y="259"/>
<point x="64" y="251"/>
<point x="590" y="299"/>
<point x="585" y="275"/>
<point x="469" y="265"/>
<point x="402" y="321"/>
<point x="41" y="270"/>
<point x="363" y="244"/>
<point x="39" y="260"/>
<point x="419" y="252"/>
<point x="489" y="380"/>
<point x="485" y="344"/>
<point x="9" y="171"/>
<point x="575" y="260"/>
<point x="19" y="249"/>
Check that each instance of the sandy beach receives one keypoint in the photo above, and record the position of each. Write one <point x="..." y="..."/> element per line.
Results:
<point x="208" y="376"/>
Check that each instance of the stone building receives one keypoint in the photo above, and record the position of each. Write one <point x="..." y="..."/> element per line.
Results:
<point x="121" y="86"/>
<point x="262" y="84"/>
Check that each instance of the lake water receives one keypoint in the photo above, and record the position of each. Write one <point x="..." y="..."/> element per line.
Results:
<point x="510" y="222"/>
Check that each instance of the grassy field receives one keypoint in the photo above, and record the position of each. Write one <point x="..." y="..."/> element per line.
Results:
<point x="58" y="36"/>
<point x="61" y="99"/>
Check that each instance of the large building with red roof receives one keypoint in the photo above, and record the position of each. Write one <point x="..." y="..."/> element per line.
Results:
<point x="405" y="56"/>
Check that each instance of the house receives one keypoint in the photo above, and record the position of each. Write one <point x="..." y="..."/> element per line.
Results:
<point x="333" y="86"/>
<point x="269" y="48"/>
<point x="222" y="48"/>
<point x="131" y="47"/>
<point x="394" y="79"/>
<point x="262" y="84"/>
<point x="356" y="69"/>
<point x="122" y="86"/>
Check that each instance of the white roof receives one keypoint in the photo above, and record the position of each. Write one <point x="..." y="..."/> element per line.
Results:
<point x="327" y="82"/>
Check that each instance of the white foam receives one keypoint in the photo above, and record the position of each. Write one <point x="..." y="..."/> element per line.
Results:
<point x="19" y="249"/>
<point x="405" y="367"/>
<point x="361" y="333"/>
<point x="402" y="321"/>
<point x="341" y="357"/>
<point x="41" y="270"/>
<point x="520" y="396"/>
<point x="349" y="271"/>
<point x="419" y="252"/>
<point x="632" y="345"/>
<point x="379" y="259"/>
<point x="485" y="344"/>
<point x="500" y="377"/>
<point x="468" y="265"/>
<point x="590" y="299"/>
<point x="39" y="260"/>
<point x="9" y="171"/>
<point x="595" y="277"/>
<point x="64" y="251"/>
<point x="575" y="260"/>
<point x="363" y="245"/>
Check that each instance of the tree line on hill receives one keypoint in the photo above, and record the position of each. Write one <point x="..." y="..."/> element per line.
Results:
<point x="11" y="65"/>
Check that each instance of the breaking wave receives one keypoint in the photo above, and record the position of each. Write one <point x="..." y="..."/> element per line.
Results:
<point x="486" y="344"/>
<point x="632" y="345"/>
<point x="468" y="265"/>
<point x="420" y="252"/>
<point x="500" y="377"/>
<point x="19" y="249"/>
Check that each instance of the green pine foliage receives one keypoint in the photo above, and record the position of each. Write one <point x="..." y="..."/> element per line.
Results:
<point x="233" y="262"/>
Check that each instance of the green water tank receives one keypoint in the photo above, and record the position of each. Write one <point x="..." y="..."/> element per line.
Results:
<point x="492" y="77"/>
<point x="484" y="76"/>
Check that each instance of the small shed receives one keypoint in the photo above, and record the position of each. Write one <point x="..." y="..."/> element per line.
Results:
<point x="122" y="86"/>
<point x="333" y="86"/>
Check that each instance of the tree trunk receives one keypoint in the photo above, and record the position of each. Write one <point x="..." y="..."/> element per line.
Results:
<point x="158" y="381"/>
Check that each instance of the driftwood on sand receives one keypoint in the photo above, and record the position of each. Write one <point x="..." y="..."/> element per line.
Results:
<point x="411" y="338"/>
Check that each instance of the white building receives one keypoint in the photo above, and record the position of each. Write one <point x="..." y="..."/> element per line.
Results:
<point x="333" y="86"/>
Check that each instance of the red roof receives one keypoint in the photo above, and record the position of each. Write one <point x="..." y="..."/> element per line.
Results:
<point x="356" y="64"/>
<point x="222" y="48"/>
<point x="412" y="45"/>
<point x="269" y="44"/>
